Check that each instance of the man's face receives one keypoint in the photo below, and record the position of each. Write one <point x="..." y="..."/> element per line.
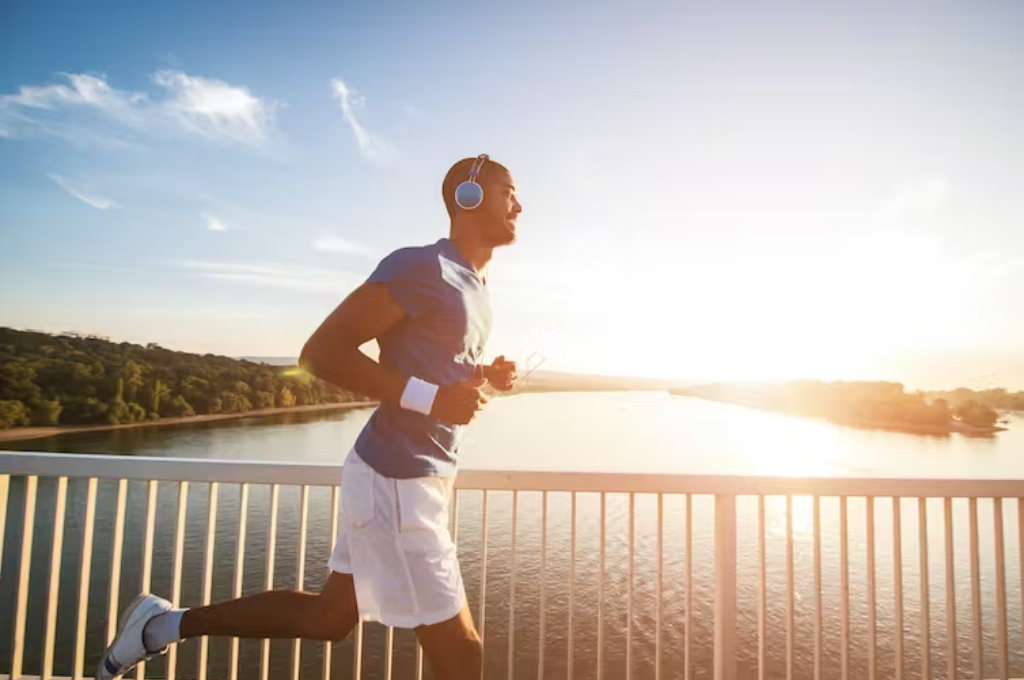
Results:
<point x="500" y="209"/>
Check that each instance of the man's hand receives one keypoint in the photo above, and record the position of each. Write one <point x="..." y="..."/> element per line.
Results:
<point x="458" y="403"/>
<point x="501" y="374"/>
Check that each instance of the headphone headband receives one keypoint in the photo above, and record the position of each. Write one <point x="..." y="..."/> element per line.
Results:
<point x="478" y="165"/>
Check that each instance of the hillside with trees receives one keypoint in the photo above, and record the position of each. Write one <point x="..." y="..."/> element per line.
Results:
<point x="68" y="379"/>
<point x="880" y="405"/>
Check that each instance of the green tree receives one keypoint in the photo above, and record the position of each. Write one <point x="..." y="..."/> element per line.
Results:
<point x="180" y="408"/>
<point x="136" y="414"/>
<point x="160" y="392"/>
<point x="118" y="412"/>
<point x="12" y="414"/>
<point x="976" y="414"/>
<point x="285" y="398"/>
<point x="264" y="400"/>
<point x="47" y="412"/>
<point x="131" y="374"/>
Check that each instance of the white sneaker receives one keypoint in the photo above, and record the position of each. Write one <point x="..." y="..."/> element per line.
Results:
<point x="129" y="646"/>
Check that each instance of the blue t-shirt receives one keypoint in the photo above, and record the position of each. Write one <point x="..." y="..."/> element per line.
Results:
<point x="441" y="340"/>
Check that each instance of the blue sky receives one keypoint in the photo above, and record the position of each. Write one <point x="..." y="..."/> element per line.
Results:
<point x="709" y="191"/>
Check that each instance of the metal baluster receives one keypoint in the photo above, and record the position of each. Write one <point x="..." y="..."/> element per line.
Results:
<point x="543" y="584"/>
<point x="872" y="591"/>
<point x="483" y="572"/>
<point x="844" y="579"/>
<point x="790" y="589"/>
<point x="300" y="572"/>
<point x="1004" y="647"/>
<point x="211" y="538"/>
<point x="951" y="641"/>
<point x="762" y="592"/>
<point x="897" y="569"/>
<point x="818" y="613"/>
<point x="389" y="652"/>
<point x="512" y="589"/>
<point x="572" y="585"/>
<point x="147" y="553"/>
<point x="922" y="549"/>
<point x="236" y="584"/>
<point x="977" y="651"/>
<point x="329" y="645"/>
<point x="725" y="587"/>
<point x="179" y="547"/>
<point x="53" y="591"/>
<point x="85" y="571"/>
<point x="600" y="594"/>
<point x="115" y="560"/>
<point x="5" y="489"/>
<point x="629" y="589"/>
<point x="1020" y="555"/>
<point x="660" y="582"/>
<point x="268" y="583"/>
<point x="25" y="568"/>
<point x="688" y="615"/>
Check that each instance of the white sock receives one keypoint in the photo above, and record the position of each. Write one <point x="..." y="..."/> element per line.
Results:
<point x="162" y="630"/>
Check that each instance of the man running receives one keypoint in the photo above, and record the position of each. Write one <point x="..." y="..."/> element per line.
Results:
<point x="394" y="561"/>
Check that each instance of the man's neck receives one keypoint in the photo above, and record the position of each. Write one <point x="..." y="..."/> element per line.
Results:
<point x="476" y="255"/>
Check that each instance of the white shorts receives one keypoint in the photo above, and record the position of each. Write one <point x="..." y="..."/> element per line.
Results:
<point x="394" y="540"/>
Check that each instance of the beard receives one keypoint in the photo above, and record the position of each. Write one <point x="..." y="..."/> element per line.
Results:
<point x="502" y="235"/>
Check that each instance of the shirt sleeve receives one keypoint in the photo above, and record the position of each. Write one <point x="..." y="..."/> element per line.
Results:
<point x="410" y="277"/>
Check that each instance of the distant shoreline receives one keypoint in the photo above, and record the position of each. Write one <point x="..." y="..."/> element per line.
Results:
<point x="953" y="427"/>
<point x="20" y="434"/>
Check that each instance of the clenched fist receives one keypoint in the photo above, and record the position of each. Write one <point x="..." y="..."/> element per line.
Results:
<point x="501" y="374"/>
<point x="458" y="403"/>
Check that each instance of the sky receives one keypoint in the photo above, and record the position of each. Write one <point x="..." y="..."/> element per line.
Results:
<point x="738" y="190"/>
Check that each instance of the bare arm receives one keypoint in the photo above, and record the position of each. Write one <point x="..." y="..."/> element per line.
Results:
<point x="333" y="355"/>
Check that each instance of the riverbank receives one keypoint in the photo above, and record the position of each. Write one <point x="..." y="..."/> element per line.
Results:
<point x="20" y="434"/>
<point x="914" y="428"/>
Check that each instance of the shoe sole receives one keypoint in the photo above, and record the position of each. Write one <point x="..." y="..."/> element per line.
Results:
<point x="122" y="623"/>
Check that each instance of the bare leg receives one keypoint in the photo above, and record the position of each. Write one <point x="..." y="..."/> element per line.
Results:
<point x="453" y="648"/>
<point x="281" y="614"/>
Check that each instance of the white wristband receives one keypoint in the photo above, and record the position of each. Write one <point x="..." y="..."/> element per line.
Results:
<point x="419" y="396"/>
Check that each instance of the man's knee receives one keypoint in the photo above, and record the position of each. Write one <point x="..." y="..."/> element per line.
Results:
<point x="473" y="649"/>
<point x="336" y="612"/>
<point x="334" y="619"/>
<point x="333" y="624"/>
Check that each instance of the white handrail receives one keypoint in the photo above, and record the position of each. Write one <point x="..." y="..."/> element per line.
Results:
<point x="324" y="474"/>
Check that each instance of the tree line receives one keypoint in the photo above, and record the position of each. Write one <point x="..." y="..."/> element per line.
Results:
<point x="869" y="401"/>
<point x="70" y="379"/>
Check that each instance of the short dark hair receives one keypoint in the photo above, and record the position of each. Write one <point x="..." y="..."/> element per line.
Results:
<point x="458" y="174"/>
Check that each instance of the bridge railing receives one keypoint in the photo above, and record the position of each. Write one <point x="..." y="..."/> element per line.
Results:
<point x="936" y="564"/>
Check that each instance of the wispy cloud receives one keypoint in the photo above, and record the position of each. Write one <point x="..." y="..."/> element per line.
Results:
<point x="213" y="109"/>
<point x="213" y="223"/>
<point x="371" y="147"/>
<point x="333" y="244"/>
<point x="283" y="277"/>
<point x="87" y="109"/>
<point x="91" y="199"/>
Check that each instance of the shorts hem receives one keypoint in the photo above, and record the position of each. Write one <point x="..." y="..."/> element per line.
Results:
<point x="407" y="621"/>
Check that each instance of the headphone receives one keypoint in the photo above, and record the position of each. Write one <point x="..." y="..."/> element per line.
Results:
<point x="469" y="195"/>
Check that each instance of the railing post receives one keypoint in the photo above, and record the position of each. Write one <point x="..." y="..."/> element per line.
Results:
<point x="5" y="487"/>
<point x="725" y="587"/>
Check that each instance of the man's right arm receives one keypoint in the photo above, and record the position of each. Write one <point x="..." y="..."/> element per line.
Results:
<point x="332" y="354"/>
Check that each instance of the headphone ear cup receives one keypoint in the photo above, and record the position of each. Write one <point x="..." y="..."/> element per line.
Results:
<point x="469" y="195"/>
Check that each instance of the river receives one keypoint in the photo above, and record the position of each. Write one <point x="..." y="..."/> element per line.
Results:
<point x="612" y="432"/>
